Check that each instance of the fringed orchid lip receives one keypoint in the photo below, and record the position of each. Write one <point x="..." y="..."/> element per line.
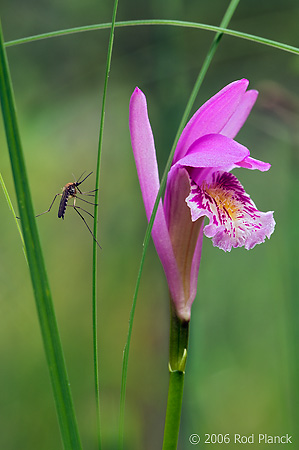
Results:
<point x="234" y="220"/>
<point x="199" y="184"/>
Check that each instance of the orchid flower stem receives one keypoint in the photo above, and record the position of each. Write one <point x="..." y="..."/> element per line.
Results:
<point x="178" y="344"/>
<point x="173" y="412"/>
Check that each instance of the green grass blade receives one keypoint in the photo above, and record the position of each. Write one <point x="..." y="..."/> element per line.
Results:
<point x="10" y="205"/>
<point x="95" y="229"/>
<point x="47" y="320"/>
<point x="228" y="15"/>
<point x="173" y="23"/>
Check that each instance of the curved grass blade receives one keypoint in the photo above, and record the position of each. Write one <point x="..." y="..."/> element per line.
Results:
<point x="228" y="15"/>
<point x="165" y="22"/>
<point x="47" y="320"/>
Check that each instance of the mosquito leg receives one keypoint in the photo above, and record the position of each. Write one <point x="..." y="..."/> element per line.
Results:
<point x="87" y="212"/>
<point x="48" y="210"/>
<point x="87" y="192"/>
<point x="90" y="203"/>
<point x="75" y="208"/>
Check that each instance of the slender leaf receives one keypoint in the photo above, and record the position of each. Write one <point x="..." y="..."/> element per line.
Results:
<point x="95" y="230"/>
<point x="10" y="205"/>
<point x="173" y="23"/>
<point x="46" y="314"/>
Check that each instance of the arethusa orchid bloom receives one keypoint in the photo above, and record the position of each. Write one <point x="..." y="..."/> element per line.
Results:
<point x="199" y="184"/>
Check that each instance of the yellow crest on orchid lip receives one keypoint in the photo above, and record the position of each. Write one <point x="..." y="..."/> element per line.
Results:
<point x="223" y="200"/>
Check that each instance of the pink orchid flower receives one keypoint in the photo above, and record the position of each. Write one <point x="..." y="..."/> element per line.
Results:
<point x="199" y="185"/>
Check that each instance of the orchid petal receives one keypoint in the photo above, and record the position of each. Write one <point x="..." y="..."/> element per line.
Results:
<point x="214" y="150"/>
<point x="237" y="120"/>
<point x="147" y="169"/>
<point x="251" y="163"/>
<point x="212" y="116"/>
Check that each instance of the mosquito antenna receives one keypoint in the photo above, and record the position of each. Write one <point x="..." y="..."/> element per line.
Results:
<point x="75" y="208"/>
<point x="77" y="183"/>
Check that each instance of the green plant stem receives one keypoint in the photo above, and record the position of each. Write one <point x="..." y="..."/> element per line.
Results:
<point x="178" y="347"/>
<point x="46" y="314"/>
<point x="173" y="412"/>
<point x="228" y="14"/>
<point x="95" y="229"/>
<point x="163" y="22"/>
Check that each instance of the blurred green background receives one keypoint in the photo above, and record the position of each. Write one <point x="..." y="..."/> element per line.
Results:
<point x="242" y="372"/>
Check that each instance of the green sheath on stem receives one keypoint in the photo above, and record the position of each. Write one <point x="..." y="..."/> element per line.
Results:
<point x="173" y="413"/>
<point x="178" y="342"/>
<point x="178" y="345"/>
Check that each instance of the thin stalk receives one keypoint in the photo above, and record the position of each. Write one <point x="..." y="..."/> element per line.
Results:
<point x="39" y="279"/>
<point x="228" y="14"/>
<point x="10" y="205"/>
<point x="206" y="64"/>
<point x="124" y="374"/>
<point x="164" y="22"/>
<point x="95" y="229"/>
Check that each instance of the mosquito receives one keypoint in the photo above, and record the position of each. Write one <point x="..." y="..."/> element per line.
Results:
<point x="70" y="191"/>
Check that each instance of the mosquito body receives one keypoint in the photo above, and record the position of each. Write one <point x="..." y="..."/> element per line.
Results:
<point x="71" y="190"/>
